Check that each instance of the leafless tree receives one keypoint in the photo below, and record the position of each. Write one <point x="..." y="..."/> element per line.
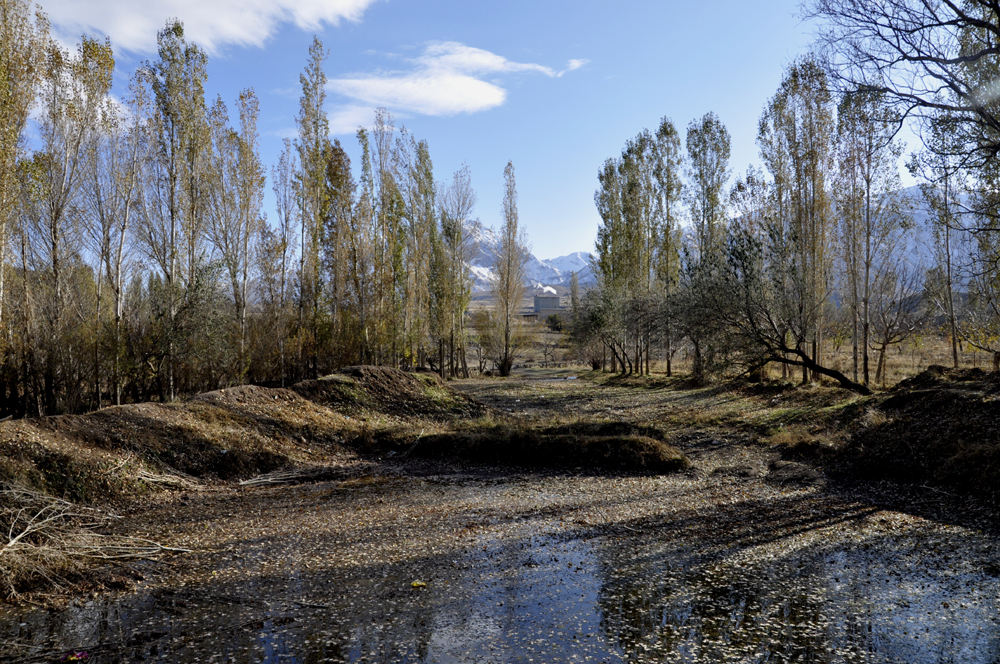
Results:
<point x="932" y="59"/>
<point x="112" y="197"/>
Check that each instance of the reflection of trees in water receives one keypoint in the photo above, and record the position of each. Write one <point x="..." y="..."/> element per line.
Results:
<point x="710" y="610"/>
<point x="710" y="584"/>
<point x="902" y="597"/>
<point x="690" y="589"/>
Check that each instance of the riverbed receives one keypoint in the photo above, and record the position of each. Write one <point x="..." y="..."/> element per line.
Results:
<point x="433" y="562"/>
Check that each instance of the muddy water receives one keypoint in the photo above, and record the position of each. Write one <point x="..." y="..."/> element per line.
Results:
<point x="783" y="577"/>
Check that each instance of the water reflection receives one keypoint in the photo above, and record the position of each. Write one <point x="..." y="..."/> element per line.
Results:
<point x="883" y="599"/>
<point x="640" y="594"/>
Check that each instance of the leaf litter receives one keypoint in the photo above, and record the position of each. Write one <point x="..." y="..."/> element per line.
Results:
<point x="529" y="566"/>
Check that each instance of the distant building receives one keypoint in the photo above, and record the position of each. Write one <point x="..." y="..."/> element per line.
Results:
<point x="547" y="304"/>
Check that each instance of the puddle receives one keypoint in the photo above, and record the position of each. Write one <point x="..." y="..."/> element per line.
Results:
<point x="540" y="594"/>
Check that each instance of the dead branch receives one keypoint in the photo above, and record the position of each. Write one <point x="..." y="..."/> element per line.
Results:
<point x="43" y="538"/>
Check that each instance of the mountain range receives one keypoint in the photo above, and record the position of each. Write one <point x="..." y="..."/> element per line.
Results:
<point x="484" y="247"/>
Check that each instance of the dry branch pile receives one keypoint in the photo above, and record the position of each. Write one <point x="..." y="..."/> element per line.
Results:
<point x="45" y="539"/>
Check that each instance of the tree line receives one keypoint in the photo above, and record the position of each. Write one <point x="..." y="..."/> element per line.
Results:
<point x="137" y="261"/>
<point x="816" y="248"/>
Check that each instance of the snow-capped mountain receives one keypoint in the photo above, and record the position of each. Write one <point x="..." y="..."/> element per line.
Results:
<point x="483" y="250"/>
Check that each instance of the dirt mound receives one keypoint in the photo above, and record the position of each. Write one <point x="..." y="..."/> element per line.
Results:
<point x="121" y="452"/>
<point x="941" y="427"/>
<point x="391" y="392"/>
<point x="228" y="434"/>
<point x="937" y="376"/>
<point x="609" y="446"/>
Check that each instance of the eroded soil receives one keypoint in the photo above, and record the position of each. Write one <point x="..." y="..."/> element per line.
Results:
<point x="745" y="557"/>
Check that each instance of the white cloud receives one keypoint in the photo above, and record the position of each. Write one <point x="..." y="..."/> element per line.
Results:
<point x="345" y="120"/>
<point x="573" y="65"/>
<point x="132" y="24"/>
<point x="424" y="93"/>
<point x="446" y="79"/>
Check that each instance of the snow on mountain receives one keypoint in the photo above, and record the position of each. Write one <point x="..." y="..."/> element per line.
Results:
<point x="484" y="246"/>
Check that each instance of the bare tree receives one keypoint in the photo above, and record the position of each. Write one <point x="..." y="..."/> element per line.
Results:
<point x="276" y="251"/>
<point x="762" y="302"/>
<point x="897" y="310"/>
<point x="979" y="324"/>
<point x="932" y="59"/>
<point x="942" y="185"/>
<point x="873" y="213"/>
<point x="112" y="197"/>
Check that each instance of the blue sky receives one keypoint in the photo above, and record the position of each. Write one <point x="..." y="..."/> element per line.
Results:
<point x="555" y="86"/>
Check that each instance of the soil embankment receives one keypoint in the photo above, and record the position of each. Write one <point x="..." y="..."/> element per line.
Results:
<point x="336" y="428"/>
<point x="940" y="428"/>
<point x="117" y="454"/>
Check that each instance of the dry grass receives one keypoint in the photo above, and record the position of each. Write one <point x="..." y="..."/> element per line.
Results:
<point x="902" y="361"/>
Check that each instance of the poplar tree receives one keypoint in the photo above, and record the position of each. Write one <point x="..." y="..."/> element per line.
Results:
<point x="508" y="280"/>
<point x="336" y="251"/>
<point x="422" y="307"/>
<point x="362" y="254"/>
<point x="942" y="186"/>
<point x="73" y="92"/>
<point x="22" y="49"/>
<point x="171" y="221"/>
<point x="235" y="215"/>
<point x="668" y="174"/>
<point x="795" y="139"/>
<point x="574" y="295"/>
<point x="313" y="145"/>
<point x="389" y="238"/>
<point x="112" y="196"/>
<point x="457" y="203"/>
<point x="276" y="251"/>
<point x="873" y="214"/>
<point x="708" y="147"/>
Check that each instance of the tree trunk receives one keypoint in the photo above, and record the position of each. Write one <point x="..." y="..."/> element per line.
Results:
<point x="880" y="367"/>
<point x="670" y="356"/>
<point x="697" y="370"/>
<point x="808" y="365"/>
<point x="805" y="369"/>
<point x="854" y="344"/>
